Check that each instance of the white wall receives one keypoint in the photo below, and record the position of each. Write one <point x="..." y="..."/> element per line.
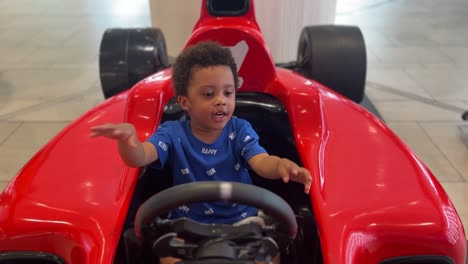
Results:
<point x="281" y="22"/>
<point x="176" y="19"/>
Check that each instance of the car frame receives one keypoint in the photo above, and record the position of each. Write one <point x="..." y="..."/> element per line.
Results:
<point x="372" y="199"/>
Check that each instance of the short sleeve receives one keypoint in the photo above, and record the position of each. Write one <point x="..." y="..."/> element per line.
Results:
<point x="247" y="141"/>
<point x="162" y="141"/>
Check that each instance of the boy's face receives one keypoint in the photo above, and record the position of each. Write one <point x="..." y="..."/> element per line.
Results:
<point x="210" y="99"/>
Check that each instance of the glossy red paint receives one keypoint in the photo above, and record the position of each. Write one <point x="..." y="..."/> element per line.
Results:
<point x="377" y="199"/>
<point x="372" y="197"/>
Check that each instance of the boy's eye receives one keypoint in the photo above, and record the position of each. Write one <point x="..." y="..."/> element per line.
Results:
<point x="209" y="94"/>
<point x="228" y="93"/>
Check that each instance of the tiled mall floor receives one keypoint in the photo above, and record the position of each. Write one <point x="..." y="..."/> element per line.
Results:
<point x="417" y="73"/>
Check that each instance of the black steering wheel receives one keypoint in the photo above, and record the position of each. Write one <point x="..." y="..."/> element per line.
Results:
<point x="213" y="241"/>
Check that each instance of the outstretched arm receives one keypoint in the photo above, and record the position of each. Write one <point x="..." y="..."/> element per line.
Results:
<point x="133" y="152"/>
<point x="273" y="167"/>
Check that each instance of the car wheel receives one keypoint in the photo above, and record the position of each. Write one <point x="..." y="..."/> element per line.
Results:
<point x="335" y="56"/>
<point x="128" y="56"/>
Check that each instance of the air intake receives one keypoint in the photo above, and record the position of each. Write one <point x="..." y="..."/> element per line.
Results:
<point x="228" y="8"/>
<point x="22" y="257"/>
<point x="419" y="260"/>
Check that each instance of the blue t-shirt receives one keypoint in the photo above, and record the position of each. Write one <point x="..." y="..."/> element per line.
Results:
<point x="192" y="160"/>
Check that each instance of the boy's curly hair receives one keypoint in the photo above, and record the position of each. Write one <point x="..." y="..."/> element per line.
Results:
<point x="203" y="54"/>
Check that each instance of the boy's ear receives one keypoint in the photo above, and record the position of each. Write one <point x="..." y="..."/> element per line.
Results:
<point x="183" y="102"/>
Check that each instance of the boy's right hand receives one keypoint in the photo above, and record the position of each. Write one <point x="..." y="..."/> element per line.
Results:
<point x="125" y="133"/>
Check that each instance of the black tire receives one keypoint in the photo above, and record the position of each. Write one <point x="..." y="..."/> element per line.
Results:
<point x="128" y="56"/>
<point x="334" y="56"/>
<point x="465" y="116"/>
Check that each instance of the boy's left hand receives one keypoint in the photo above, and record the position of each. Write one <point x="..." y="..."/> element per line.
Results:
<point x="289" y="170"/>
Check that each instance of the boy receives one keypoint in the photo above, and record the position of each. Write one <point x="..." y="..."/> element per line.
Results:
<point x="211" y="144"/>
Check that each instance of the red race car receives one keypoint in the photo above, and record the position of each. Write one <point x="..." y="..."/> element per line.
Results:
<point x="372" y="200"/>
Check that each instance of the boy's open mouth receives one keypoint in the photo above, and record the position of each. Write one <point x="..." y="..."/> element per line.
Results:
<point x="220" y="114"/>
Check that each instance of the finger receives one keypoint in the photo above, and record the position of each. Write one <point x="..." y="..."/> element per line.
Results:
<point x="102" y="127"/>
<point x="307" y="187"/>
<point x="284" y="173"/>
<point x="96" y="128"/>
<point x="307" y="180"/>
<point x="121" y="134"/>
<point x="101" y="131"/>
<point x="132" y="142"/>
<point x="98" y="133"/>
<point x="294" y="171"/>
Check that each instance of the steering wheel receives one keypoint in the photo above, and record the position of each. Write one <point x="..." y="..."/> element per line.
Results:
<point x="213" y="241"/>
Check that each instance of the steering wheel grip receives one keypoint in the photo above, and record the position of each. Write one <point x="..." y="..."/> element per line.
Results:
<point x="210" y="191"/>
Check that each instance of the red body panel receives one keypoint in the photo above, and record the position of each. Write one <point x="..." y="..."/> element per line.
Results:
<point x="372" y="198"/>
<point x="68" y="199"/>
<point x="375" y="197"/>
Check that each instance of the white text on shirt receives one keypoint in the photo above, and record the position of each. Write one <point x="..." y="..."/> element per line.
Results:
<point x="211" y="172"/>
<point x="208" y="151"/>
<point x="162" y="145"/>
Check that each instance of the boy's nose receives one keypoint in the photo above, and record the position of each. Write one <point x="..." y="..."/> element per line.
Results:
<point x="220" y="100"/>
